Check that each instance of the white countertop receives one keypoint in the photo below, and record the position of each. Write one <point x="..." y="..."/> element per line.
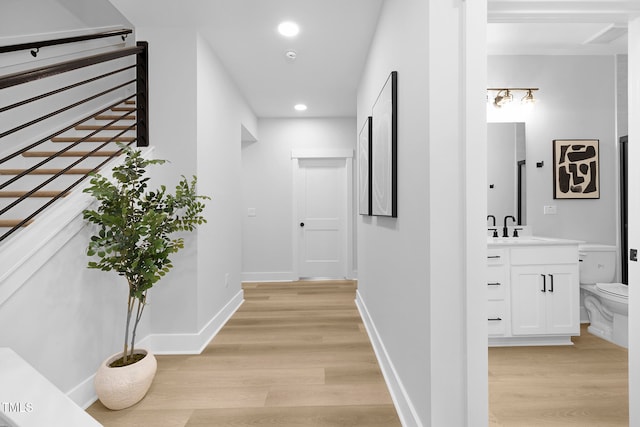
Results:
<point x="28" y="399"/>
<point x="497" y="242"/>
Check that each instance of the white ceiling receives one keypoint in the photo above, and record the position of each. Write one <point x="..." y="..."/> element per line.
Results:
<point x="332" y="47"/>
<point x="335" y="37"/>
<point x="557" y="27"/>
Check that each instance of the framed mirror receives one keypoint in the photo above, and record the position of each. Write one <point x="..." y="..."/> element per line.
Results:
<point x="506" y="166"/>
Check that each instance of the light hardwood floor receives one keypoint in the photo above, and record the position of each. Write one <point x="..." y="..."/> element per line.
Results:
<point x="581" y="385"/>
<point x="294" y="354"/>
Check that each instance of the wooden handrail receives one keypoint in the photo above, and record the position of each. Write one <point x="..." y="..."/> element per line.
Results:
<point x="21" y="77"/>
<point x="64" y="40"/>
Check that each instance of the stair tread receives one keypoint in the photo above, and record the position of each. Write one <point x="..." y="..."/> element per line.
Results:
<point x="102" y="127"/>
<point x="20" y="193"/>
<point x="74" y="171"/>
<point x="113" y="117"/>
<point x="123" y="109"/>
<point x="69" y="154"/>
<point x="93" y="139"/>
<point x="13" y="222"/>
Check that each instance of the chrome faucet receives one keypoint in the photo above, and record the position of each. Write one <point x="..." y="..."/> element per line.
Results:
<point x="493" y="218"/>
<point x="505" y="230"/>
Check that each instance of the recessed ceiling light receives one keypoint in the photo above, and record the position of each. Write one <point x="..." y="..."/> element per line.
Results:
<point x="300" y="107"/>
<point x="288" y="29"/>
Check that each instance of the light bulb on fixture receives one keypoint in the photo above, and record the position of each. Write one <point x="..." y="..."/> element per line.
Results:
<point x="503" y="97"/>
<point x="528" y="98"/>
<point x="300" y="107"/>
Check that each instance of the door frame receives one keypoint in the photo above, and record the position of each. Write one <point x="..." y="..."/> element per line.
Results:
<point x="349" y="237"/>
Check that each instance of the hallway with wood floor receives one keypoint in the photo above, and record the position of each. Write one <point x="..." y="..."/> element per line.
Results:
<point x="294" y="354"/>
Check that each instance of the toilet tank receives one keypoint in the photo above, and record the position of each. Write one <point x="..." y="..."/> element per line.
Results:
<point x="597" y="263"/>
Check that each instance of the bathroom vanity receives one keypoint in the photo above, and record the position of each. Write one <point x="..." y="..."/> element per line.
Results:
<point x="533" y="291"/>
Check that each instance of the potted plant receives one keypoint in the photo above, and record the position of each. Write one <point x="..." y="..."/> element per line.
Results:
<point x="135" y="236"/>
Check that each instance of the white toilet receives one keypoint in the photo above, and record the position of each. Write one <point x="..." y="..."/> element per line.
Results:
<point x="606" y="303"/>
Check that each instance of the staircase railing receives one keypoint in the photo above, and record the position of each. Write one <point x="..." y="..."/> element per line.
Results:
<point x="99" y="101"/>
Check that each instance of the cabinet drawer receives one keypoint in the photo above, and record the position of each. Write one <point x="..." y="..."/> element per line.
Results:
<point x="496" y="256"/>
<point x="496" y="317"/>
<point x="545" y="255"/>
<point x="496" y="282"/>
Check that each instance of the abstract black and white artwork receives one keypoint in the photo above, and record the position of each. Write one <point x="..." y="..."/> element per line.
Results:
<point x="384" y="150"/>
<point x="364" y="168"/>
<point x="576" y="173"/>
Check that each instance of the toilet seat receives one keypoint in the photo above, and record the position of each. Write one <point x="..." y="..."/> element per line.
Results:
<point x="616" y="289"/>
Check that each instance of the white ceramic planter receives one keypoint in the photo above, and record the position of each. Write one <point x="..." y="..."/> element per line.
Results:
<point x="119" y="388"/>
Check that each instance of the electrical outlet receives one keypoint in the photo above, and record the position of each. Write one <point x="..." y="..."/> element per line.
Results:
<point x="550" y="210"/>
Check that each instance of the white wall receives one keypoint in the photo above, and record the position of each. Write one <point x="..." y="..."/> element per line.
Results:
<point x="173" y="133"/>
<point x="267" y="186"/>
<point x="36" y="18"/>
<point x="576" y="100"/>
<point x="222" y="112"/>
<point x="634" y="224"/>
<point x="414" y="271"/>
<point x="196" y="117"/>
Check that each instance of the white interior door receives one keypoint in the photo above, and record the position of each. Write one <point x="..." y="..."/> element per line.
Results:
<point x="321" y="203"/>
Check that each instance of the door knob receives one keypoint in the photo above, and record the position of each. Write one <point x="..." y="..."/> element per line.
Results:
<point x="302" y="224"/>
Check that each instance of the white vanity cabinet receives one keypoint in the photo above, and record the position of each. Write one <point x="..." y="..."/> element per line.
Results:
<point x="538" y="296"/>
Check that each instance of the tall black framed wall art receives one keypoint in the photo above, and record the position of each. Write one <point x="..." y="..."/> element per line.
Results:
<point x="384" y="171"/>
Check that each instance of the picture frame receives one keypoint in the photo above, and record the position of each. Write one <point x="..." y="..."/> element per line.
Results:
<point x="364" y="168"/>
<point x="384" y="180"/>
<point x="576" y="169"/>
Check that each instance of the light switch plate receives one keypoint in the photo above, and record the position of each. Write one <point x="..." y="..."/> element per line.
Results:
<point x="550" y="210"/>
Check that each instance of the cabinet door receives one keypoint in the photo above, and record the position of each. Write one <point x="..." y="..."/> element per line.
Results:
<point x="563" y="291"/>
<point x="528" y="308"/>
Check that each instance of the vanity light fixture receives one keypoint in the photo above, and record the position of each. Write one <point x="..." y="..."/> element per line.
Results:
<point x="504" y="95"/>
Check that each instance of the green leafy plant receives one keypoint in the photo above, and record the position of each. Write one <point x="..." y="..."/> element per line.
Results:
<point x="136" y="228"/>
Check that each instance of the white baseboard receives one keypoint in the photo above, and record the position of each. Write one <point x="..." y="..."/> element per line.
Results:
<point x="196" y="342"/>
<point x="273" y="276"/>
<point x="84" y="393"/>
<point x="404" y="406"/>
